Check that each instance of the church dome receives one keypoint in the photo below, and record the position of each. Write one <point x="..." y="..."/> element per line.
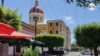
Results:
<point x="36" y="9"/>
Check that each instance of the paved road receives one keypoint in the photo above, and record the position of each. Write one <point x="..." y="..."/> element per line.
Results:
<point x="72" y="54"/>
<point x="76" y="54"/>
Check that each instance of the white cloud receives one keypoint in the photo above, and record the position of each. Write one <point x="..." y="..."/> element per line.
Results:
<point x="69" y="19"/>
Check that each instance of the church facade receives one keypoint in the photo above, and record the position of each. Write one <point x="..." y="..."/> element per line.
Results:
<point x="51" y="26"/>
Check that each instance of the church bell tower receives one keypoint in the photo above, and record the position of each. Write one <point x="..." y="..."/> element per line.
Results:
<point x="36" y="13"/>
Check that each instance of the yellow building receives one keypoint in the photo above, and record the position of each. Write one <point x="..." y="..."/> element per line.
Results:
<point x="59" y="27"/>
<point x="51" y="27"/>
<point x="42" y="27"/>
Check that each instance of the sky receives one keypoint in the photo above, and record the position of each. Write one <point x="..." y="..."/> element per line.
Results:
<point x="57" y="9"/>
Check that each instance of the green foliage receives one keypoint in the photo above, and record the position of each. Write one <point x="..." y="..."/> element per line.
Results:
<point x="75" y="49"/>
<point x="74" y="45"/>
<point x="84" y="3"/>
<point x="69" y="1"/>
<point x="88" y="35"/>
<point x="51" y="40"/>
<point x="10" y="17"/>
<point x="29" y="52"/>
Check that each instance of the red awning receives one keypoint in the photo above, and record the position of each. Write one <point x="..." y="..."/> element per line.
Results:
<point x="6" y="29"/>
<point x="2" y="35"/>
<point x="16" y="35"/>
<point x="5" y="36"/>
<point x="20" y="35"/>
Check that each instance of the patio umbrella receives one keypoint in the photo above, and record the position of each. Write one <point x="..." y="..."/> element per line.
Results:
<point x="4" y="35"/>
<point x="6" y="29"/>
<point x="19" y="35"/>
<point x="37" y="43"/>
<point x="9" y="32"/>
<point x="15" y="35"/>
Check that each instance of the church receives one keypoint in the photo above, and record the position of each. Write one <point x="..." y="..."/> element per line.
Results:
<point x="36" y="18"/>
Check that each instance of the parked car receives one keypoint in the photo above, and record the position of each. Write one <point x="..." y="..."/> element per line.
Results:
<point x="86" y="52"/>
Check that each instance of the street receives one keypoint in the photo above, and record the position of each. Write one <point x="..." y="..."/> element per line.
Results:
<point x="75" y="54"/>
<point x="72" y="54"/>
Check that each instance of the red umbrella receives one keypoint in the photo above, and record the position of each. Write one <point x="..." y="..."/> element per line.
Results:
<point x="4" y="35"/>
<point x="6" y="29"/>
<point x="9" y="32"/>
<point x="16" y="35"/>
<point x="20" y="35"/>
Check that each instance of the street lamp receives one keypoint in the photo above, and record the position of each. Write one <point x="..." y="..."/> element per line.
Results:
<point x="36" y="42"/>
<point x="35" y="20"/>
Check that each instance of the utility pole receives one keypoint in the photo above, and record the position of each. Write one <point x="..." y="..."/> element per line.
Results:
<point x="2" y="2"/>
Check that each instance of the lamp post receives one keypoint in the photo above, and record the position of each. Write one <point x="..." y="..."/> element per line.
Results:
<point x="35" y="20"/>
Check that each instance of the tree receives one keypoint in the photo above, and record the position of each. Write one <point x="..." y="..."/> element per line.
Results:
<point x="51" y="40"/>
<point x="84" y="3"/>
<point x="88" y="35"/>
<point x="10" y="17"/>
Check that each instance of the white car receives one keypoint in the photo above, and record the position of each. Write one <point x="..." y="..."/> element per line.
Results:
<point x="87" y="52"/>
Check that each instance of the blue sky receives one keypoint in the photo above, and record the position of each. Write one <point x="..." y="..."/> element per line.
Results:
<point x="57" y="9"/>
